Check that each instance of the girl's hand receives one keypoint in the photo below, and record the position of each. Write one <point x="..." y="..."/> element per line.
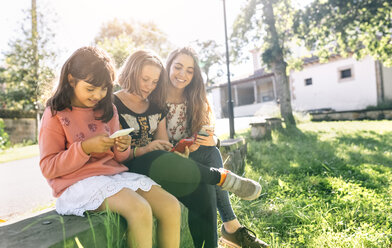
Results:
<point x="98" y="144"/>
<point x="122" y="143"/>
<point x="185" y="154"/>
<point x="206" y="140"/>
<point x="159" y="145"/>
<point x="193" y="147"/>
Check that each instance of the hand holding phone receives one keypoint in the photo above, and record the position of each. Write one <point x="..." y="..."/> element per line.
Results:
<point x="121" y="132"/>
<point x="180" y="147"/>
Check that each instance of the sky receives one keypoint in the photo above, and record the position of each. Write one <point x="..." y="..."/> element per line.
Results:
<point x="78" y="21"/>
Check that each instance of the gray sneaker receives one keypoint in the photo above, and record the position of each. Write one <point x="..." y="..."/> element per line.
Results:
<point x="244" y="188"/>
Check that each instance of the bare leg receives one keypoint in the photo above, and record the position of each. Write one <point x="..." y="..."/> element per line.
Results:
<point x="166" y="209"/>
<point x="137" y="211"/>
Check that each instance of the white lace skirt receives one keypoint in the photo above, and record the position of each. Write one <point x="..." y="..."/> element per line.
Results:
<point x="89" y="193"/>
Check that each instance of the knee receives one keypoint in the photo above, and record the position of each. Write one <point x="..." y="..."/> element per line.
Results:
<point x="171" y="209"/>
<point x="139" y="211"/>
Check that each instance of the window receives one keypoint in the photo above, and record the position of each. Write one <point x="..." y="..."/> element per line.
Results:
<point x="308" y="81"/>
<point x="345" y="73"/>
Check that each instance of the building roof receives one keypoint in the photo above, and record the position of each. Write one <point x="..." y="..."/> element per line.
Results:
<point x="258" y="74"/>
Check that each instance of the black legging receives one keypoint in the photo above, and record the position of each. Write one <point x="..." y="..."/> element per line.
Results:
<point x="192" y="183"/>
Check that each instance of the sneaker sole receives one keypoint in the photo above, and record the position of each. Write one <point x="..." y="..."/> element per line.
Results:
<point x="254" y="196"/>
<point x="224" y="243"/>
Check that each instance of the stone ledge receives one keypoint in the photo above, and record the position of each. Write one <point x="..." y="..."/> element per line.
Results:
<point x="262" y="129"/>
<point x="352" y="115"/>
<point x="55" y="231"/>
<point x="234" y="154"/>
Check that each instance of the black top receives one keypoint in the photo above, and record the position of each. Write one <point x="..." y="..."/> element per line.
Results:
<point x="145" y="124"/>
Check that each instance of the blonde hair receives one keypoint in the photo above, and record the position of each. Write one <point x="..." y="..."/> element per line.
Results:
<point x="131" y="72"/>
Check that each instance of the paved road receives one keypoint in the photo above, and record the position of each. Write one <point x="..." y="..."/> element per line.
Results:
<point x="24" y="191"/>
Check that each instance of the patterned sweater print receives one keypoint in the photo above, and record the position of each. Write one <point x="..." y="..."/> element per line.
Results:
<point x="145" y="124"/>
<point x="176" y="123"/>
<point x="62" y="159"/>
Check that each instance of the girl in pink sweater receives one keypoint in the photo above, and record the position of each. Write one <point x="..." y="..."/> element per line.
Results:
<point x="83" y="165"/>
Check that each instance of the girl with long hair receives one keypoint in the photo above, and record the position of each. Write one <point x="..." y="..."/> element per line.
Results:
<point x="189" y="112"/>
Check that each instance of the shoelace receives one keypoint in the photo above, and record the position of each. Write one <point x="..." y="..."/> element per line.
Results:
<point x="248" y="236"/>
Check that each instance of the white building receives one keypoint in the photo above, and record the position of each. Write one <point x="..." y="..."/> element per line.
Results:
<point x="340" y="84"/>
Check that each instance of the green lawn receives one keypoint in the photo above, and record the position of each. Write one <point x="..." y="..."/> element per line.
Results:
<point x="325" y="184"/>
<point x="18" y="153"/>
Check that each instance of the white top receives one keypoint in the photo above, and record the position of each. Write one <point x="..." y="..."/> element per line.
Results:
<point x="176" y="122"/>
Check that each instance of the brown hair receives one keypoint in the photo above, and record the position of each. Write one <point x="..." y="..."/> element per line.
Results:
<point x="131" y="72"/>
<point x="198" y="109"/>
<point x="93" y="66"/>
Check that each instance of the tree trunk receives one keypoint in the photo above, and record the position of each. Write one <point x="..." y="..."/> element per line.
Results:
<point x="34" y="41"/>
<point x="283" y="91"/>
<point x="278" y="65"/>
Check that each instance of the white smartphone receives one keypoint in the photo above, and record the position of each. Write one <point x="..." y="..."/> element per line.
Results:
<point x="121" y="132"/>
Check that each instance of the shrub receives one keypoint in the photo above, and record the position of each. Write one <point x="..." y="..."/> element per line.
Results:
<point x="381" y="106"/>
<point x="7" y="113"/>
<point x="4" y="139"/>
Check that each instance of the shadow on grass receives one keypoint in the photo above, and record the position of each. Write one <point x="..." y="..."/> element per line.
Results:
<point x="317" y="184"/>
<point x="294" y="152"/>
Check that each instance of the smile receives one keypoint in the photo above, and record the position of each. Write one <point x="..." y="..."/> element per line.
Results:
<point x="181" y="80"/>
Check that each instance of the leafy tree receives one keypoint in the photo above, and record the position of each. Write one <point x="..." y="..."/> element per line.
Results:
<point x="267" y="24"/>
<point x="361" y="27"/>
<point x="27" y="69"/>
<point x="119" y="38"/>
<point x="210" y="57"/>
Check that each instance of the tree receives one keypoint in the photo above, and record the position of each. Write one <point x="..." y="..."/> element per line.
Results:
<point x="269" y="22"/>
<point x="210" y="58"/>
<point x="27" y="71"/>
<point x="360" y="27"/>
<point x="119" y="38"/>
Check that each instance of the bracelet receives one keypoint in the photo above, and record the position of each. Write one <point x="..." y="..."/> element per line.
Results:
<point x="134" y="152"/>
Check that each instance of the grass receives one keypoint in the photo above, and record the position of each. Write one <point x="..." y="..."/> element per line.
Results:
<point x="18" y="152"/>
<point x="325" y="184"/>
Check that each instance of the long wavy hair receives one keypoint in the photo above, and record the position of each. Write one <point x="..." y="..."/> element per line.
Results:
<point x="198" y="108"/>
<point x="131" y="72"/>
<point x="93" y="66"/>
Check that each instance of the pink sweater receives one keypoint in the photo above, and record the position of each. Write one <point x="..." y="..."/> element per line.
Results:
<point x="62" y="159"/>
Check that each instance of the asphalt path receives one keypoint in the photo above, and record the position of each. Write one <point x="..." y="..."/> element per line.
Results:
<point x="24" y="192"/>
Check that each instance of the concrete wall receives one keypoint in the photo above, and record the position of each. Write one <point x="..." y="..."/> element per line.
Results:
<point x="387" y="80"/>
<point x="214" y="97"/>
<point x="328" y="91"/>
<point x="21" y="129"/>
<point x="267" y="109"/>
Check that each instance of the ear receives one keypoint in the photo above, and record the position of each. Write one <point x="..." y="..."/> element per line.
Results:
<point x="71" y="80"/>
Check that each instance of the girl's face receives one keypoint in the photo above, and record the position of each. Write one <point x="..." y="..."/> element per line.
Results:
<point x="86" y="95"/>
<point x="181" y="71"/>
<point x="149" y="79"/>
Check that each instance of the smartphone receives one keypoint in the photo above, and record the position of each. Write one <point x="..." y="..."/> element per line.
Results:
<point x="180" y="147"/>
<point x="121" y="132"/>
<point x="203" y="131"/>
